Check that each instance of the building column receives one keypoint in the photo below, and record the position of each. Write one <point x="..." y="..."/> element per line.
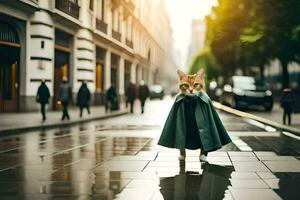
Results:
<point x="109" y="18"/>
<point x="133" y="73"/>
<point x="121" y="76"/>
<point x="150" y="77"/>
<point x="123" y="28"/>
<point x="39" y="59"/>
<point x="107" y="66"/>
<point x="139" y="74"/>
<point x="84" y="61"/>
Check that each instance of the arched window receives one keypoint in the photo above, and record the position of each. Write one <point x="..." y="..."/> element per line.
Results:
<point x="8" y="35"/>
<point x="149" y="55"/>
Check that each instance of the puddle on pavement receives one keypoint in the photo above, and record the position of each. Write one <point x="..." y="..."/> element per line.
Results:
<point x="76" y="162"/>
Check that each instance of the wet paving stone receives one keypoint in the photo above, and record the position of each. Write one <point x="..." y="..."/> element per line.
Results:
<point x="244" y="175"/>
<point x="252" y="166"/>
<point x="277" y="158"/>
<point x="119" y="160"/>
<point x="257" y="194"/>
<point x="266" y="175"/>
<point x="243" y="158"/>
<point x="283" y="166"/>
<point x="249" y="184"/>
<point x="123" y="166"/>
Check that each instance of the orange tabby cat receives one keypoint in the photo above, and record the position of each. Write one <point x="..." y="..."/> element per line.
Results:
<point x="191" y="84"/>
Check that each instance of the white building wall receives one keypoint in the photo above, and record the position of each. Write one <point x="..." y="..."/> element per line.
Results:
<point x="39" y="59"/>
<point x="42" y="21"/>
<point x="85" y="53"/>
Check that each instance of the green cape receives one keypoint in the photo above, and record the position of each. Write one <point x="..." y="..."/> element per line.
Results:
<point x="193" y="123"/>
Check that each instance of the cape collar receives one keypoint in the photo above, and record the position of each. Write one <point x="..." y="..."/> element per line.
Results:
<point x="201" y="95"/>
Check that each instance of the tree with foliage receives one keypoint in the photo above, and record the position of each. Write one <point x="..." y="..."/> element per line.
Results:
<point x="243" y="33"/>
<point x="205" y="59"/>
<point x="224" y="27"/>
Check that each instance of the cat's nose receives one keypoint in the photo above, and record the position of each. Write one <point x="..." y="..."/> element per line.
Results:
<point x="191" y="91"/>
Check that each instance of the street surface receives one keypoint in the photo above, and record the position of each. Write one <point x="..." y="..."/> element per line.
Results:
<point x="119" y="158"/>
<point x="276" y="115"/>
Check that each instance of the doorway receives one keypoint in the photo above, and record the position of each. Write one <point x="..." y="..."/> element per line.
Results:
<point x="100" y="76"/>
<point x="114" y="76"/>
<point x="127" y="71"/>
<point x="9" y="68"/>
<point x="61" y="69"/>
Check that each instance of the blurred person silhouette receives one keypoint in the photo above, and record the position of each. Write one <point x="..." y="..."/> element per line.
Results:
<point x="143" y="94"/>
<point x="83" y="98"/>
<point x="130" y="95"/>
<point x="65" y="96"/>
<point x="42" y="97"/>
<point x="286" y="102"/>
<point x="111" y="99"/>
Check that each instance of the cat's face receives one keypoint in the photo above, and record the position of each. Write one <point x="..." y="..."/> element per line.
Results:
<point x="191" y="84"/>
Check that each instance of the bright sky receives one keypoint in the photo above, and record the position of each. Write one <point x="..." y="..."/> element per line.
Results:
<point x="181" y="13"/>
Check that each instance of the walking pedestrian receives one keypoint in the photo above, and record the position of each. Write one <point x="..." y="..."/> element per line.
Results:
<point x="83" y="98"/>
<point x="65" y="97"/>
<point x="130" y="95"/>
<point x="111" y="99"/>
<point x="287" y="101"/>
<point x="143" y="95"/>
<point x="42" y="97"/>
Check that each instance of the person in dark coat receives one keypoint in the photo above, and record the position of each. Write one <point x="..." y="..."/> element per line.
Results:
<point x="42" y="97"/>
<point x="65" y="96"/>
<point x="112" y="99"/>
<point x="83" y="98"/>
<point x="287" y="101"/>
<point x="143" y="95"/>
<point x="130" y="95"/>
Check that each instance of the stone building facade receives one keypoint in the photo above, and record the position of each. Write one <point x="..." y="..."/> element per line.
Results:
<point x="101" y="42"/>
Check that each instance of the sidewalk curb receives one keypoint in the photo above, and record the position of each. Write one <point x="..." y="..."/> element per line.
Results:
<point x="15" y="130"/>
<point x="257" y="118"/>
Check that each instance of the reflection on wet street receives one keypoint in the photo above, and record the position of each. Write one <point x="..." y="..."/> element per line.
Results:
<point x="212" y="183"/>
<point x="118" y="159"/>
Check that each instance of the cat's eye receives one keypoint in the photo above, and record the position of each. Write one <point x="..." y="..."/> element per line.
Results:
<point x="184" y="85"/>
<point x="196" y="84"/>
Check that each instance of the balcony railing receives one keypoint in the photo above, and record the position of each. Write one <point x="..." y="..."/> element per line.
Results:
<point x="116" y="35"/>
<point x="101" y="25"/>
<point x="129" y="43"/>
<point x="68" y="6"/>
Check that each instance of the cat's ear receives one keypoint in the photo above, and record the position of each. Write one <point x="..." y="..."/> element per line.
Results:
<point x="180" y="73"/>
<point x="200" y="73"/>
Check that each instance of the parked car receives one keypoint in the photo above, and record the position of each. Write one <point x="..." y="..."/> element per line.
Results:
<point x="156" y="92"/>
<point x="245" y="91"/>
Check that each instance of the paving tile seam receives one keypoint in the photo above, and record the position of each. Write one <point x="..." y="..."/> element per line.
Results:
<point x="229" y="157"/>
<point x="54" y="154"/>
<point x="14" y="149"/>
<point x="24" y="129"/>
<point x="98" y="165"/>
<point x="80" y="133"/>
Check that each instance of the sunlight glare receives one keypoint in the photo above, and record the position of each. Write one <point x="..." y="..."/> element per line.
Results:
<point x="181" y="13"/>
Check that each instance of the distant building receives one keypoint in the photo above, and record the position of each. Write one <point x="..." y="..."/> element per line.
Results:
<point x="102" y="42"/>
<point x="197" y="41"/>
<point x="273" y="75"/>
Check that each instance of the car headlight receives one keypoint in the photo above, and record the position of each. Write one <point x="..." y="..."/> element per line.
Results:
<point x="268" y="93"/>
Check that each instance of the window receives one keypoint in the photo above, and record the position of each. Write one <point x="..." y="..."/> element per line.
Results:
<point x="116" y="20"/>
<point x="92" y="5"/>
<point x="101" y="9"/>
